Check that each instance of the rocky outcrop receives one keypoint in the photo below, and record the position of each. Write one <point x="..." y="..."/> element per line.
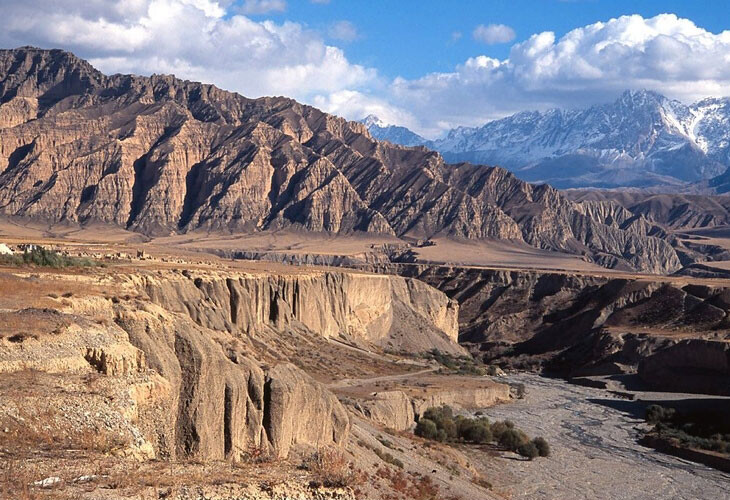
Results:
<point x="469" y="399"/>
<point x="381" y="310"/>
<point x="676" y="211"/>
<point x="293" y="402"/>
<point x="694" y="366"/>
<point x="391" y="409"/>
<point x="161" y="155"/>
<point x="195" y="352"/>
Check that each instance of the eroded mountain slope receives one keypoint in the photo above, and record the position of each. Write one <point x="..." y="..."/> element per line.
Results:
<point x="161" y="155"/>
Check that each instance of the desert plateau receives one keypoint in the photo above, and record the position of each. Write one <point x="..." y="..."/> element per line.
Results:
<point x="324" y="250"/>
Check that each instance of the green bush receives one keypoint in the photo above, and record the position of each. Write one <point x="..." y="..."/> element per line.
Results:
<point x="528" y="450"/>
<point x="499" y="428"/>
<point x="443" y="417"/>
<point x="656" y="414"/>
<point x="440" y="424"/>
<point x="426" y="428"/>
<point x="438" y="414"/>
<point x="449" y="427"/>
<point x="476" y="432"/>
<point x="41" y="257"/>
<point x="512" y="439"/>
<point x="542" y="446"/>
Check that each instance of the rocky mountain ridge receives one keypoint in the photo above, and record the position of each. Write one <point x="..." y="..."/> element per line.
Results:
<point x="643" y="139"/>
<point x="160" y="155"/>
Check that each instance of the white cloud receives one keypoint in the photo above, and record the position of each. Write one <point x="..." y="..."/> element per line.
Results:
<point x="210" y="41"/>
<point x="493" y="34"/>
<point x="587" y="65"/>
<point x="203" y="40"/>
<point x="355" y="105"/>
<point x="254" y="7"/>
<point x="343" y="30"/>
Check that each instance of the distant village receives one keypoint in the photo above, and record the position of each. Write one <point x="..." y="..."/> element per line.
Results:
<point x="73" y="251"/>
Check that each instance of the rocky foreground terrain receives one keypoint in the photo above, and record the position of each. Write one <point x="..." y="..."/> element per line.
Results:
<point x="146" y="377"/>
<point x="160" y="155"/>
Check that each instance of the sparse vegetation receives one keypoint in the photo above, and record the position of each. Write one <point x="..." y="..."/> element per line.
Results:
<point x="462" y="365"/>
<point x="528" y="450"/>
<point x="383" y="455"/>
<point x="414" y="486"/>
<point x="440" y="424"/>
<point x="41" y="257"/>
<point x="331" y="468"/>
<point x="703" y="430"/>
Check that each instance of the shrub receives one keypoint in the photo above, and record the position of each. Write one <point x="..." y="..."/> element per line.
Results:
<point x="426" y="428"/>
<point x="443" y="417"/>
<point x="499" y="428"/>
<point x="39" y="256"/>
<point x="331" y="468"/>
<point x="439" y="414"/>
<point x="511" y="439"/>
<point x="257" y="455"/>
<point x="656" y="414"/>
<point x="528" y="450"/>
<point x="474" y="431"/>
<point x="542" y="445"/>
<point x="449" y="427"/>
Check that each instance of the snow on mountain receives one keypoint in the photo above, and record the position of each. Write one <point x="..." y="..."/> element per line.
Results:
<point x="642" y="139"/>
<point x="392" y="133"/>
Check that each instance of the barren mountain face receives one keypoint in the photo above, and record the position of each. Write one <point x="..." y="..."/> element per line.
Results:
<point x="161" y="155"/>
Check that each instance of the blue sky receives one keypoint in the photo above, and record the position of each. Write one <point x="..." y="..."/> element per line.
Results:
<point x="412" y="37"/>
<point x="429" y="65"/>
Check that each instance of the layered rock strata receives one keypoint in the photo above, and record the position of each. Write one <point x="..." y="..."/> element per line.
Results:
<point x="160" y="155"/>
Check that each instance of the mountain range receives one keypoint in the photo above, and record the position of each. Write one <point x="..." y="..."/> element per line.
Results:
<point x="160" y="155"/>
<point x="642" y="140"/>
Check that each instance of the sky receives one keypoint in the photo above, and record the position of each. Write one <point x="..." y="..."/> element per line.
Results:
<point x="426" y="64"/>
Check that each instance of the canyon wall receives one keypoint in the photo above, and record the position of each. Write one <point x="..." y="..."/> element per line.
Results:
<point x="579" y="324"/>
<point x="191" y="360"/>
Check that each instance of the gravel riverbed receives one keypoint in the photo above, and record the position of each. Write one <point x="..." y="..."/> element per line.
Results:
<point x="595" y="455"/>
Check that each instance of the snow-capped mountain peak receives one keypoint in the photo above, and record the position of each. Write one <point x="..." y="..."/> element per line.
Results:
<point x="641" y="139"/>
<point x="373" y="121"/>
<point x="393" y="133"/>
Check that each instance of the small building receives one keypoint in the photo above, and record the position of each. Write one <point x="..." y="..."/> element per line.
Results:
<point x="28" y="247"/>
<point x="5" y="250"/>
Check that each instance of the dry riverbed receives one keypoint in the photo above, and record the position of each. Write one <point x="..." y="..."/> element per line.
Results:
<point x="595" y="455"/>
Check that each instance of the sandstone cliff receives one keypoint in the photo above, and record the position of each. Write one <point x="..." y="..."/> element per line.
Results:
<point x="195" y="353"/>
<point x="161" y="155"/>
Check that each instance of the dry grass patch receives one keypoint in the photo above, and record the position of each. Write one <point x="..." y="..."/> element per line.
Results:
<point x="18" y="326"/>
<point x="331" y="468"/>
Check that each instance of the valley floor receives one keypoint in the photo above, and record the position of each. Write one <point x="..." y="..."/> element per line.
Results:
<point x="594" y="450"/>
